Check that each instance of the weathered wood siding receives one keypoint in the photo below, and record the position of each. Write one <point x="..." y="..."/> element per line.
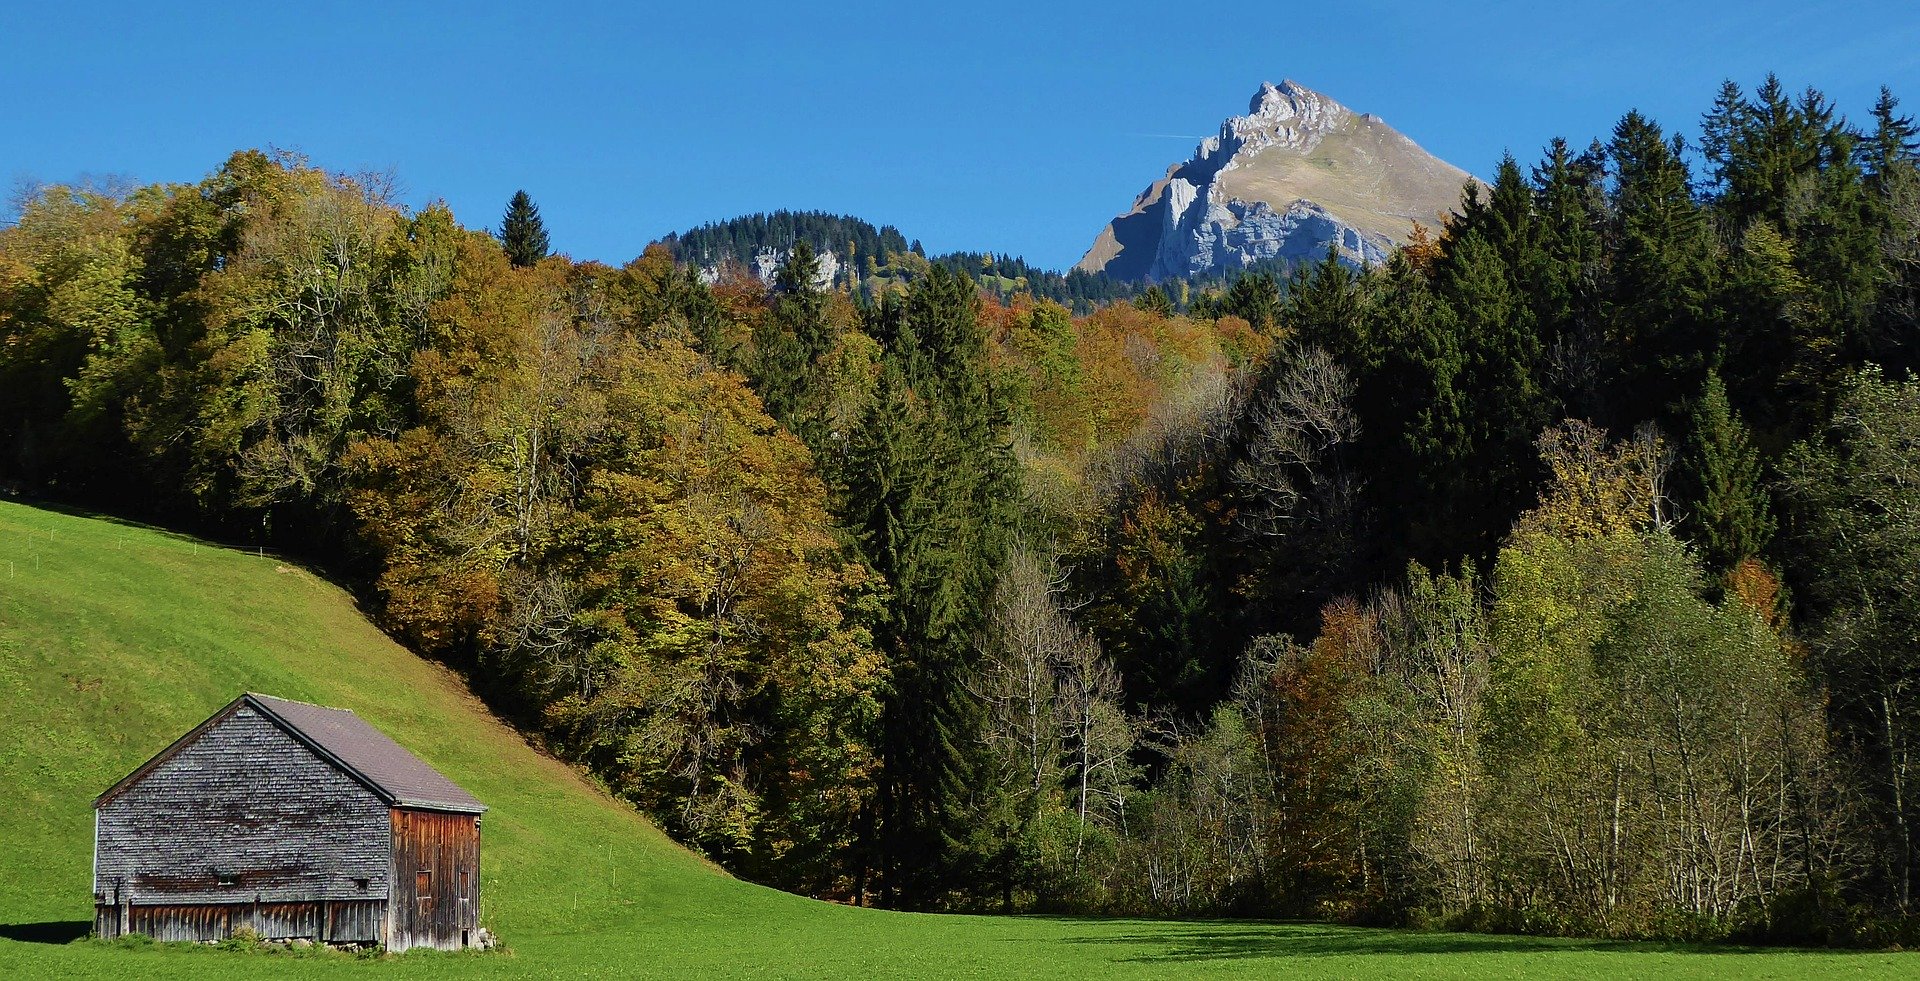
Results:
<point x="341" y="922"/>
<point x="244" y="814"/>
<point x="436" y="880"/>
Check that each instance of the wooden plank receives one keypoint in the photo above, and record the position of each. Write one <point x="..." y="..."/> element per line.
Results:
<point x="343" y="922"/>
<point x="436" y="879"/>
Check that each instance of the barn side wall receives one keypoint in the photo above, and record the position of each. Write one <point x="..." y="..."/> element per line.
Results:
<point x="436" y="880"/>
<point x="338" y="922"/>
<point x="243" y="815"/>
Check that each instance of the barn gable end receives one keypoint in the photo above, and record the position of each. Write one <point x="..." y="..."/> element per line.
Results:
<point x="243" y="813"/>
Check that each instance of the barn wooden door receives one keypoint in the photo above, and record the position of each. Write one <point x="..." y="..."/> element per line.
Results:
<point x="436" y="889"/>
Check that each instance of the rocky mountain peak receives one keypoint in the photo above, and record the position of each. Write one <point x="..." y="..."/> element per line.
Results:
<point x="1290" y="106"/>
<point x="1297" y="173"/>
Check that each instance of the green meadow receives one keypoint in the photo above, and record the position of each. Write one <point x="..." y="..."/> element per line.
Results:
<point x="114" y="639"/>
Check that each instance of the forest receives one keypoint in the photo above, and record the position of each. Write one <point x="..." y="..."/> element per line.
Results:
<point x="870" y="261"/>
<point x="1557" y="575"/>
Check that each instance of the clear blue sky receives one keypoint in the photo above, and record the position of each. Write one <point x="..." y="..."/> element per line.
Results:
<point x="1014" y="128"/>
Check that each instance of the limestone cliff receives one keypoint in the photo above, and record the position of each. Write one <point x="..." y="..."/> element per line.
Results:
<point x="1296" y="173"/>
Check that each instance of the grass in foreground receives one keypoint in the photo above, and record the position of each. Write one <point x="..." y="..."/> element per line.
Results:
<point x="114" y="639"/>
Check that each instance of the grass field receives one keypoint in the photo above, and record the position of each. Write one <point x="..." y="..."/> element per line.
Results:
<point x="115" y="639"/>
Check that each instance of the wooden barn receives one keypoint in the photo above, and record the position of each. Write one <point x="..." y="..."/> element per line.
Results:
<point x="294" y="820"/>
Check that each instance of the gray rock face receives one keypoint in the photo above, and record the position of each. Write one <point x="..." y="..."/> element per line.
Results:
<point x="1235" y="234"/>
<point x="766" y="266"/>
<point x="1297" y="174"/>
<point x="767" y="263"/>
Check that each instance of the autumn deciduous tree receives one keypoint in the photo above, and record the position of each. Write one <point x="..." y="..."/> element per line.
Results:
<point x="1298" y="704"/>
<point x="1646" y="749"/>
<point x="1057" y="738"/>
<point x="1296" y="482"/>
<point x="643" y="559"/>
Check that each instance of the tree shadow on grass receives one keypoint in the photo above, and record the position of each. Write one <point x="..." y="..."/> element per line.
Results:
<point x="186" y="533"/>
<point x="49" y="932"/>
<point x="1172" y="943"/>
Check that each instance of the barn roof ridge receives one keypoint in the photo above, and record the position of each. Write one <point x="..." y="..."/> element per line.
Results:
<point x="344" y="739"/>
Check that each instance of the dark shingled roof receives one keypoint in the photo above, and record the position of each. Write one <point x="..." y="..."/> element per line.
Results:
<point x="369" y="755"/>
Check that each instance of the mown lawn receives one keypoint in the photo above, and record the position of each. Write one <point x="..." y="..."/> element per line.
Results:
<point x="114" y="639"/>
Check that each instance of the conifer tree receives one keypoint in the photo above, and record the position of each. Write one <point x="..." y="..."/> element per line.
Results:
<point x="788" y="345"/>
<point x="1255" y="298"/>
<point x="1722" y="131"/>
<point x="1838" y="249"/>
<point x="1479" y="464"/>
<point x="1323" y="306"/>
<point x="932" y="489"/>
<point x="522" y="233"/>
<point x="1788" y="163"/>
<point x="1895" y="141"/>
<point x="1410" y="386"/>
<point x="1893" y="171"/>
<point x="1730" y="512"/>
<point x="1155" y="301"/>
<point x="1564" y="289"/>
<point x="1662" y="274"/>
<point x="1510" y="227"/>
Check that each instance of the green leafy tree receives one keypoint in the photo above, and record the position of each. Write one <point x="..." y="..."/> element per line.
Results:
<point x="1853" y="493"/>
<point x="76" y="336"/>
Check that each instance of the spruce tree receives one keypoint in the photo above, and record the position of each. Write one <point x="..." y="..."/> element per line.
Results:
<point x="1411" y="400"/>
<point x="1155" y="301"/>
<point x="1323" y="306"/>
<point x="1730" y="513"/>
<point x="1893" y="165"/>
<point x="932" y="487"/>
<point x="799" y="302"/>
<point x="1723" y="133"/>
<point x="1564" y="289"/>
<point x="522" y="233"/>
<point x="788" y="346"/>
<point x="1481" y="465"/>
<point x="1895" y="142"/>
<point x="1255" y="298"/>
<point x="1662" y="276"/>
<point x="1509" y="219"/>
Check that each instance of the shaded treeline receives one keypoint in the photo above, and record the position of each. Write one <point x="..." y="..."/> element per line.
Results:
<point x="869" y="261"/>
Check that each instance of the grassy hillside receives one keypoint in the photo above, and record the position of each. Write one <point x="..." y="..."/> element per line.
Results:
<point x="115" y="639"/>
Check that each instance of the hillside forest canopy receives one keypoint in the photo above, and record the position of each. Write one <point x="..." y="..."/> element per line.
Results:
<point x="1556" y="575"/>
<point x="866" y="261"/>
